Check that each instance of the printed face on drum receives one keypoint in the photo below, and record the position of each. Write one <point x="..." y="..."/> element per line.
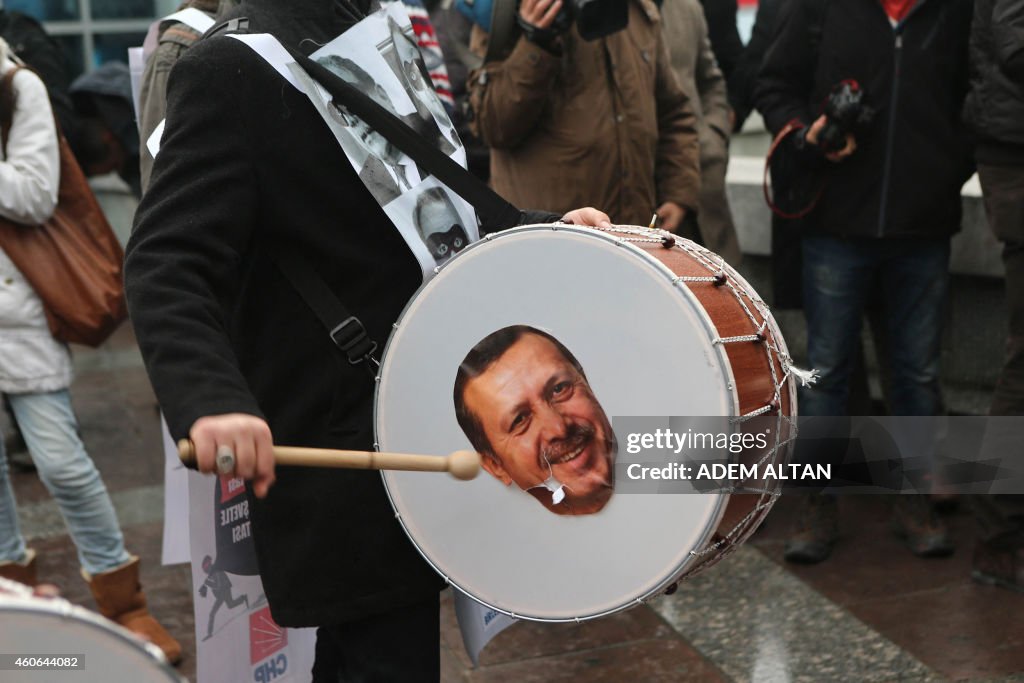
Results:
<point x="524" y="402"/>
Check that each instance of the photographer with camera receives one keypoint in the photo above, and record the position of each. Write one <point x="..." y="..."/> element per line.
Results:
<point x="585" y="107"/>
<point x="872" y="90"/>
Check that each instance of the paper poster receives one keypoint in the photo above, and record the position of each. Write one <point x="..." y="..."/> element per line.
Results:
<point x="478" y="624"/>
<point x="236" y="636"/>
<point x="176" y="548"/>
<point x="379" y="55"/>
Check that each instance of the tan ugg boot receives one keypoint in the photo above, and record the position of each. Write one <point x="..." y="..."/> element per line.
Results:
<point x="22" y="572"/>
<point x="119" y="597"/>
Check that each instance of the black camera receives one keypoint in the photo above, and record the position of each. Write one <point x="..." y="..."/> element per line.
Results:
<point x="845" y="111"/>
<point x="594" y="18"/>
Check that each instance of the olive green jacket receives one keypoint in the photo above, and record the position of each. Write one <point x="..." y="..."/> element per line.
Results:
<point x="174" y="39"/>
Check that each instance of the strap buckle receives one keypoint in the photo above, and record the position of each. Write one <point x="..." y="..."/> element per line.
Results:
<point x="350" y="336"/>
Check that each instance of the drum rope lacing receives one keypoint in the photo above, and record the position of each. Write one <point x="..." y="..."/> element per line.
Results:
<point x="720" y="278"/>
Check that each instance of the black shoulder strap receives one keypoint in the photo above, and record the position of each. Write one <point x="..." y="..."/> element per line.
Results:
<point x="237" y="25"/>
<point x="495" y="212"/>
<point x="345" y="330"/>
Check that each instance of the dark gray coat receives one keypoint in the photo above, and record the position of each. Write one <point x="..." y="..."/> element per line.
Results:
<point x="995" y="105"/>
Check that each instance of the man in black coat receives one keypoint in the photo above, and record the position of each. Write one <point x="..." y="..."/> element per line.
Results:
<point x="995" y="111"/>
<point x="248" y="170"/>
<point x="890" y="200"/>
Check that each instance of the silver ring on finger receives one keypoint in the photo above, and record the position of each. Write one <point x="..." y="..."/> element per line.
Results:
<point x="225" y="460"/>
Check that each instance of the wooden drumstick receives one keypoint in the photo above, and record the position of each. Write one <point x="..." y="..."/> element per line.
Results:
<point x="462" y="465"/>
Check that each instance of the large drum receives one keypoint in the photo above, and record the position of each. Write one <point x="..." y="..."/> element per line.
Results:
<point x="58" y="641"/>
<point x="529" y="346"/>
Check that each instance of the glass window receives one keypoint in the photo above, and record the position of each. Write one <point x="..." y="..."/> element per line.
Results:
<point x="47" y="10"/>
<point x="114" y="46"/>
<point x="165" y="7"/>
<point x="123" y="9"/>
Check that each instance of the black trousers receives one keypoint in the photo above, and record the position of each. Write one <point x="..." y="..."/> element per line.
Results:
<point x="403" y="646"/>
<point x="1003" y="187"/>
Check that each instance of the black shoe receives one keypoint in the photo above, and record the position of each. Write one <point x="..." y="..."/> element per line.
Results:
<point x="915" y="520"/>
<point x="17" y="452"/>
<point x="21" y="461"/>
<point x="816" y="530"/>
<point x="1000" y="561"/>
<point x="945" y="503"/>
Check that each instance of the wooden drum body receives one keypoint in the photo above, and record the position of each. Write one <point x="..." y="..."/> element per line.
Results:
<point x="621" y="322"/>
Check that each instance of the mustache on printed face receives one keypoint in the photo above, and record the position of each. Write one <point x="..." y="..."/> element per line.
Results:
<point x="577" y="439"/>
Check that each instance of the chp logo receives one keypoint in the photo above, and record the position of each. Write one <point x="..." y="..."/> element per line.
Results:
<point x="230" y="487"/>
<point x="266" y="640"/>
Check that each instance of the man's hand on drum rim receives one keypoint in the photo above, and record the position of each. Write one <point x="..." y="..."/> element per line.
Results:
<point x="671" y="216"/>
<point x="246" y="436"/>
<point x="589" y="216"/>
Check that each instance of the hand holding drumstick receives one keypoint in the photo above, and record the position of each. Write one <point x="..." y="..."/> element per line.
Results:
<point x="217" y="454"/>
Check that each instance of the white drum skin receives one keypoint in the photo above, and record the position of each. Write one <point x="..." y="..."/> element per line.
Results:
<point x="648" y="346"/>
<point x="33" y="625"/>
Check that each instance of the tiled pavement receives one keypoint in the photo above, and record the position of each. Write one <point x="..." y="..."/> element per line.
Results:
<point x="873" y="612"/>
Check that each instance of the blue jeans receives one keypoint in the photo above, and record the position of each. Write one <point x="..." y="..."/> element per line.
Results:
<point x="913" y="275"/>
<point x="51" y="433"/>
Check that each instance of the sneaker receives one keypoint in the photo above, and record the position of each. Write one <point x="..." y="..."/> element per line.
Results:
<point x="1000" y="561"/>
<point x="815" y="532"/>
<point x="915" y="520"/>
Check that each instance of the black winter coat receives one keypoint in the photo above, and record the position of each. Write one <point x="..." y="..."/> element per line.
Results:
<point x="995" y="105"/>
<point x="905" y="177"/>
<point x="247" y="167"/>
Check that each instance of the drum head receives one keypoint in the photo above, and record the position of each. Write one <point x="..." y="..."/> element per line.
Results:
<point x="645" y="347"/>
<point x="105" y="652"/>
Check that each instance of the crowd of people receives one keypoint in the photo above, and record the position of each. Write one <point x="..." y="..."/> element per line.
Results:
<point x="881" y="112"/>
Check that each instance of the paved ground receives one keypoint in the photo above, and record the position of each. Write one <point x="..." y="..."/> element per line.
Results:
<point x="873" y="612"/>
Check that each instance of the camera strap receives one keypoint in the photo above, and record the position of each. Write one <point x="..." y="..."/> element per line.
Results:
<point x="794" y="126"/>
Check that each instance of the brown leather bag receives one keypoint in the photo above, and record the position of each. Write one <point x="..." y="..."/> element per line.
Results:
<point x="73" y="260"/>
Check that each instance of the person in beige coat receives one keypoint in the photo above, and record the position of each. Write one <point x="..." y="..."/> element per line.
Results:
<point x="693" y="62"/>
<point x="601" y="123"/>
